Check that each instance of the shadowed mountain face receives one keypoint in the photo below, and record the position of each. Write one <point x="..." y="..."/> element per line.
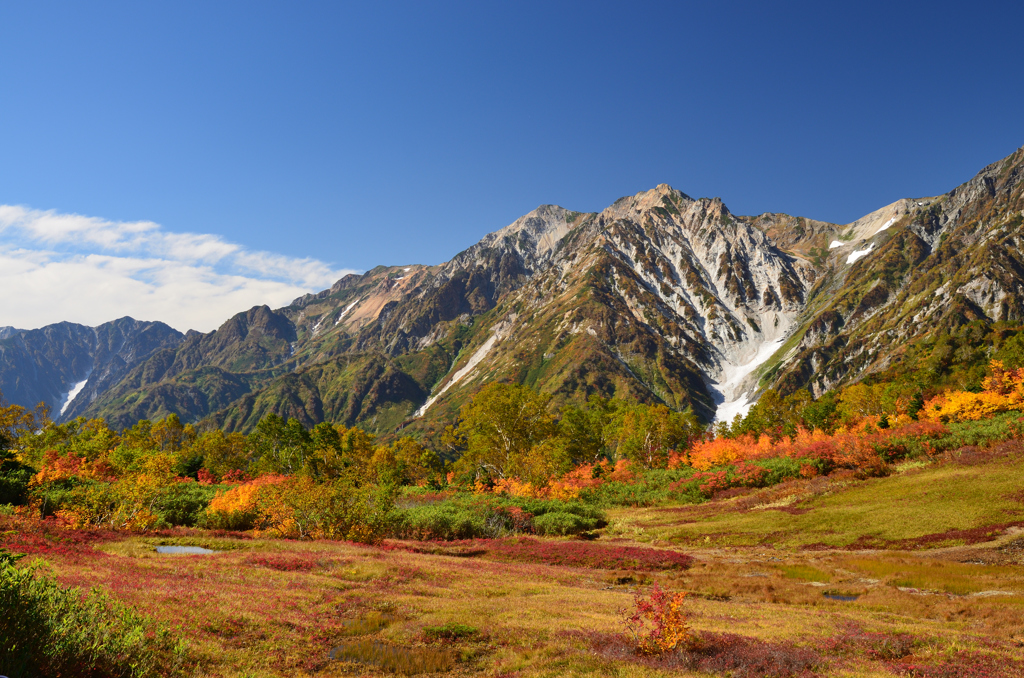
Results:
<point x="66" y="366"/>
<point x="659" y="297"/>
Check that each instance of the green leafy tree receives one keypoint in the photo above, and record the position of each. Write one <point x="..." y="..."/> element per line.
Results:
<point x="821" y="414"/>
<point x="222" y="452"/>
<point x="279" y="445"/>
<point x="647" y="434"/>
<point x="774" y="415"/>
<point x="500" y="426"/>
<point x="583" y="431"/>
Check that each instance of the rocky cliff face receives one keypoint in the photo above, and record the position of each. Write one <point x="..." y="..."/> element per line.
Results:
<point x="67" y="366"/>
<point x="659" y="297"/>
<point x="910" y="269"/>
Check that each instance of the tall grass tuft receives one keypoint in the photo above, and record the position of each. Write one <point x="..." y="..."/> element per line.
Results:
<point x="405" y="660"/>
<point x="49" y="630"/>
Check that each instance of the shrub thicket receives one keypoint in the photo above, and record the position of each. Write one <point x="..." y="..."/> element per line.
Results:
<point x="49" y="630"/>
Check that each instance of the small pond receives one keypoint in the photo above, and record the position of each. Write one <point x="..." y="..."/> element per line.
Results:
<point x="193" y="550"/>
<point x="840" y="596"/>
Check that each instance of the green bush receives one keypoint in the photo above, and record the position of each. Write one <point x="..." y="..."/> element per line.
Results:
<point x="780" y="469"/>
<point x="49" y="630"/>
<point x="14" y="478"/>
<point x="184" y="503"/>
<point x="58" y="494"/>
<point x="980" y="433"/>
<point x="235" y="521"/>
<point x="654" y="486"/>
<point x="561" y="523"/>
<point x="442" y="521"/>
<point x="475" y="517"/>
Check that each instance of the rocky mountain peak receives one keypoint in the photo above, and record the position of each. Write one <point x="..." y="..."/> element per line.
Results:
<point x="535" y="234"/>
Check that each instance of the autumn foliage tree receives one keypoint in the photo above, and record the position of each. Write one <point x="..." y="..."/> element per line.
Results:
<point x="499" y="428"/>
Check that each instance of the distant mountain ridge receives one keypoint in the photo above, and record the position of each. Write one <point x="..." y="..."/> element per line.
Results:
<point x="659" y="297"/>
<point x="45" y="365"/>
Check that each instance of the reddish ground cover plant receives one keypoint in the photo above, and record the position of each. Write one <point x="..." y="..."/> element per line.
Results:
<point x="586" y="554"/>
<point x="960" y="665"/>
<point x="718" y="653"/>
<point x="566" y="553"/>
<point x="49" y="537"/>
<point x="854" y="641"/>
<point x="285" y="563"/>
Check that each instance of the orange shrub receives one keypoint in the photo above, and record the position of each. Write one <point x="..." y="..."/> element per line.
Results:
<point x="658" y="623"/>
<point x="1003" y="391"/>
<point x="243" y="497"/>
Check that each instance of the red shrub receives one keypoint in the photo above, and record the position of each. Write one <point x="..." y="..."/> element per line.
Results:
<point x="566" y="553"/>
<point x="961" y="665"/>
<point x="717" y="653"/>
<point x="49" y="537"/>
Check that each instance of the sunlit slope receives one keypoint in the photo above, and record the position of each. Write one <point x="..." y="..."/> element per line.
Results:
<point x="921" y="507"/>
<point x="936" y="266"/>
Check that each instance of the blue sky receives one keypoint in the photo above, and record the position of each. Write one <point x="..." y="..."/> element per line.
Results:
<point x="287" y="143"/>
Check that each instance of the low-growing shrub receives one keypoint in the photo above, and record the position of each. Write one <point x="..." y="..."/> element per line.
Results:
<point x="442" y="521"/>
<point x="962" y="664"/>
<point x="740" y="657"/>
<point x="717" y="654"/>
<point x="979" y="433"/>
<point x="654" y="486"/>
<point x="184" y="503"/>
<point x="476" y="517"/>
<point x="449" y="631"/>
<point x="657" y="623"/>
<point x="232" y="521"/>
<point x="589" y="555"/>
<point x="284" y="563"/>
<point x="562" y="523"/>
<point x="49" y="630"/>
<point x="48" y="537"/>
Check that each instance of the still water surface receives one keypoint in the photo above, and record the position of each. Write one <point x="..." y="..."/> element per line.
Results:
<point x="183" y="549"/>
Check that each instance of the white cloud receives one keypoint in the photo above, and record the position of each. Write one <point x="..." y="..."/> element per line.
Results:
<point x="56" y="267"/>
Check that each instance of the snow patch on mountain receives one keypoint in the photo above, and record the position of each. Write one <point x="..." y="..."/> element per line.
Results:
<point x="474" y="360"/>
<point x="67" y="398"/>
<point x="834" y="244"/>
<point x="345" y="312"/>
<point x="729" y="393"/>
<point x="860" y="254"/>
<point x="886" y="225"/>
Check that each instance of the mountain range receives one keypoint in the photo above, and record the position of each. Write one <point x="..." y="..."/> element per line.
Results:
<point x="659" y="297"/>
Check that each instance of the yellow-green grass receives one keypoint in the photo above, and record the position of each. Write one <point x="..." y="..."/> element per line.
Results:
<point x="244" y="617"/>
<point x="805" y="573"/>
<point x="937" y="575"/>
<point x="876" y="512"/>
